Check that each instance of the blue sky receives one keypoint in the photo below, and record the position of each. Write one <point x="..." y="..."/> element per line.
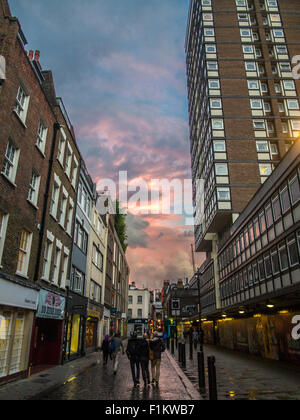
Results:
<point x="119" y="66"/>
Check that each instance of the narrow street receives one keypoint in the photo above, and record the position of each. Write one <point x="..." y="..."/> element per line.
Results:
<point x="241" y="376"/>
<point x="99" y="383"/>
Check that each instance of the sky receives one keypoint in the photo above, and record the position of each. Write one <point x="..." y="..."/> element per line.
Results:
<point x="119" y="66"/>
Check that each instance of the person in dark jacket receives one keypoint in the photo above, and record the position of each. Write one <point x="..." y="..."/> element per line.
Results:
<point x="142" y="350"/>
<point x="157" y="346"/>
<point x="105" y="349"/>
<point x="131" y="352"/>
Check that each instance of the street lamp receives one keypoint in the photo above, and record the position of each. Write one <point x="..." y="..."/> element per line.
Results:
<point x="176" y="330"/>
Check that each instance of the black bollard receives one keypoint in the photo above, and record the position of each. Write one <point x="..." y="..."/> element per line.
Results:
<point x="179" y="353"/>
<point x="172" y="346"/>
<point x="191" y="350"/>
<point x="201" y="372"/>
<point x="212" y="377"/>
<point x="183" y="358"/>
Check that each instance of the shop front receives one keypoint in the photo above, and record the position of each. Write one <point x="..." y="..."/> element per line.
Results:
<point x="18" y="303"/>
<point x="93" y="328"/>
<point x="48" y="330"/>
<point x="75" y="326"/>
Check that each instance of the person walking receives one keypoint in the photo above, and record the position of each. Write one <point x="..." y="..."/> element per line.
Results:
<point x="132" y="355"/>
<point x="142" y="351"/>
<point x="105" y="349"/>
<point x="195" y="339"/>
<point x="157" y="346"/>
<point x="115" y="346"/>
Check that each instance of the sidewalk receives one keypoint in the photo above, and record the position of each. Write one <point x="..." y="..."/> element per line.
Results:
<point x="87" y="379"/>
<point x="241" y="376"/>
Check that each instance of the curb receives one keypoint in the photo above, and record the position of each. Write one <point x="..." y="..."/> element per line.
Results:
<point x="193" y="393"/>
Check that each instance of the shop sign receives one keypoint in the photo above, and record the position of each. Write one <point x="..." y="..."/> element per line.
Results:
<point x="51" y="305"/>
<point x="12" y="294"/>
<point x="94" y="314"/>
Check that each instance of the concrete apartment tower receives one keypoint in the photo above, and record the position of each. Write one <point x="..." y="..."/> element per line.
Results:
<point x="243" y="106"/>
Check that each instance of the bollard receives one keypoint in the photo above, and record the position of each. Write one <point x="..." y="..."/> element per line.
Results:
<point x="168" y="343"/>
<point x="183" y="357"/>
<point x="212" y="377"/>
<point x="191" y="350"/>
<point x="172" y="346"/>
<point x="201" y="372"/>
<point x="179" y="353"/>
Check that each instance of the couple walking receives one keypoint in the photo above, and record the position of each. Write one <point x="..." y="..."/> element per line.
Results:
<point x="139" y="351"/>
<point x="111" y="347"/>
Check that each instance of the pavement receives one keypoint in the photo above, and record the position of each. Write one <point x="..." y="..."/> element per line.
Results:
<point x="241" y="376"/>
<point x="88" y="379"/>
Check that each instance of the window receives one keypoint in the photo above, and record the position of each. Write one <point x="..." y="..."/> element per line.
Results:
<point x="265" y="169"/>
<point x="292" y="250"/>
<point x="212" y="65"/>
<point x="272" y="3"/>
<point x="77" y="280"/>
<point x="223" y="194"/>
<point x="262" y="146"/>
<point x="268" y="266"/>
<point x="243" y="17"/>
<point x="11" y="160"/>
<point x="209" y="32"/>
<point x="129" y="312"/>
<point x="285" y="66"/>
<point x="259" y="124"/>
<point x="140" y="313"/>
<point x="256" y="104"/>
<point x="80" y="237"/>
<point x="245" y="33"/>
<point x="250" y="66"/>
<point x="54" y="199"/>
<point x="216" y="103"/>
<point x="41" y="136"/>
<point x="289" y="85"/>
<point x="276" y="208"/>
<point x="284" y="262"/>
<point x="293" y="104"/>
<point x="74" y="172"/>
<point x="281" y="49"/>
<point x="207" y="17"/>
<point x="285" y="199"/>
<point x="275" y="261"/>
<point x="214" y="84"/>
<point x="221" y="169"/>
<point x="24" y="253"/>
<point x="294" y="189"/>
<point x="140" y="299"/>
<point x="248" y="49"/>
<point x="219" y="146"/>
<point x="34" y="188"/>
<point x="240" y="2"/>
<point x="63" y="208"/>
<point x="217" y="124"/>
<point x="56" y="265"/>
<point x="130" y="301"/>
<point x="61" y="146"/>
<point x="262" y="222"/>
<point x="211" y="49"/>
<point x="68" y="163"/>
<point x="97" y="258"/>
<point x="278" y="33"/>
<point x="95" y="292"/>
<point x="70" y="216"/>
<point x="21" y="105"/>
<point x="269" y="216"/>
<point x="253" y="85"/>
<point x="3" y="227"/>
<point x="47" y="260"/>
<point x="295" y="124"/>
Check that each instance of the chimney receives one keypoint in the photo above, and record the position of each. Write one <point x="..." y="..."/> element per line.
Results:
<point x="180" y="284"/>
<point x="30" y="55"/>
<point x="37" y="56"/>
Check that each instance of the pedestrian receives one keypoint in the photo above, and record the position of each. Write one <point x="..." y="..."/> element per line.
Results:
<point x="142" y="351"/>
<point x="115" y="346"/>
<point x="105" y="349"/>
<point x="195" y="339"/>
<point x="131" y="352"/>
<point x="157" y="347"/>
<point x="165" y="337"/>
